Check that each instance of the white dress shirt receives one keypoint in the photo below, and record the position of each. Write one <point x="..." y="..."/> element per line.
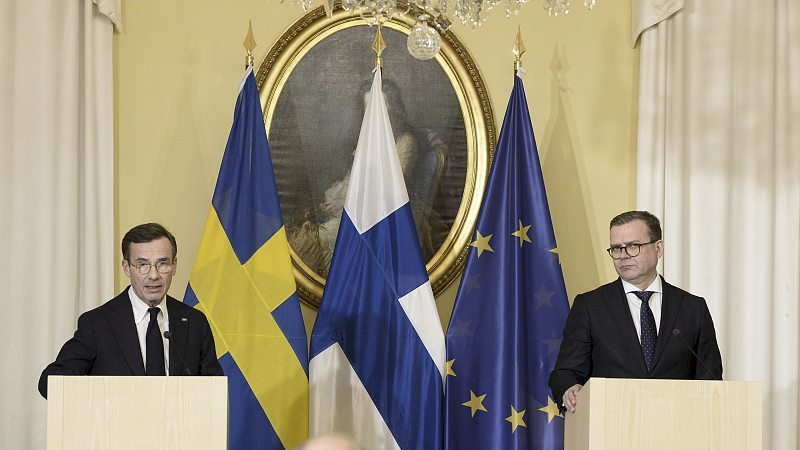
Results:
<point x="142" y="319"/>
<point x="635" y="304"/>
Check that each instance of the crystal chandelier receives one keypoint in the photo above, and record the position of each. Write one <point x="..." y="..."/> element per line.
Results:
<point x="433" y="16"/>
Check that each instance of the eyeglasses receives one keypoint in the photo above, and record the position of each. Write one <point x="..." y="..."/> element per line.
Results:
<point x="163" y="267"/>
<point x="633" y="250"/>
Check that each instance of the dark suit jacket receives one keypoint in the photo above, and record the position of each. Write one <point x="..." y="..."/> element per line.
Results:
<point x="600" y="340"/>
<point x="106" y="343"/>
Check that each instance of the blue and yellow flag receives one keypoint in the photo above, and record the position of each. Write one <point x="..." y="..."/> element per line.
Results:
<point x="510" y="309"/>
<point x="242" y="279"/>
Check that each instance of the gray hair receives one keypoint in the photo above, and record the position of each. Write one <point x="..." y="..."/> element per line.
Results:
<point x="329" y="441"/>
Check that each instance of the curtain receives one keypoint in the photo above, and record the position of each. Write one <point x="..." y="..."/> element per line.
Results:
<point x="56" y="179"/>
<point x="718" y="159"/>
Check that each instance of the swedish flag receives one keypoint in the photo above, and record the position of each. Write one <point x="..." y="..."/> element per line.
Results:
<point x="242" y="279"/>
<point x="510" y="309"/>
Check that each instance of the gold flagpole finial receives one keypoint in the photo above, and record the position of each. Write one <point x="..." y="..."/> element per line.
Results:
<point x="518" y="50"/>
<point x="378" y="45"/>
<point x="249" y="44"/>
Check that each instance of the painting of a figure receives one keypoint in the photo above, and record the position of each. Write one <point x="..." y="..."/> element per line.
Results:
<point x="315" y="127"/>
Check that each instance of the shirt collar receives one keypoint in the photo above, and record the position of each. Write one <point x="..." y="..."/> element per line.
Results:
<point x="655" y="286"/>
<point x="140" y="307"/>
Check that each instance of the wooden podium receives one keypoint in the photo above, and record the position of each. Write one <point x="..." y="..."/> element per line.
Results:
<point x="624" y="414"/>
<point x="137" y="413"/>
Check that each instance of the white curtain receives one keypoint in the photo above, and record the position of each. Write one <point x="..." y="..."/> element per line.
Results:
<point x="56" y="185"/>
<point x="719" y="161"/>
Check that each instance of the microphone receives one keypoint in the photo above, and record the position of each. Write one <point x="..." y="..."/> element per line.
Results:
<point x="677" y="332"/>
<point x="178" y="352"/>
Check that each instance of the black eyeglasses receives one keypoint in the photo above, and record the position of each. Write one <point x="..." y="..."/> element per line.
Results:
<point x="633" y="250"/>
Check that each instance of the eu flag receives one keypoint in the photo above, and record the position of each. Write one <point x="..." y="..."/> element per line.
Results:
<point x="510" y="309"/>
<point x="242" y="279"/>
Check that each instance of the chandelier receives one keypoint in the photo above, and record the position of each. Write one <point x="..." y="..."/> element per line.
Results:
<point x="434" y="16"/>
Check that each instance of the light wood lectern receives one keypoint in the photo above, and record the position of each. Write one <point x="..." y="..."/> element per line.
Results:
<point x="137" y="413"/>
<point x="624" y="414"/>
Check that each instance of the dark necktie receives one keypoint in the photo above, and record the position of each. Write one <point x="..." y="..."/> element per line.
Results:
<point x="648" y="325"/>
<point x="155" y="346"/>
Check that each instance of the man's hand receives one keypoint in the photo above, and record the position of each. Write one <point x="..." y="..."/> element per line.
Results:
<point x="570" y="399"/>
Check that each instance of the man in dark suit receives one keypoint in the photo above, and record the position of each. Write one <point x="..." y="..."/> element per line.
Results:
<point x="126" y="335"/>
<point x="632" y="327"/>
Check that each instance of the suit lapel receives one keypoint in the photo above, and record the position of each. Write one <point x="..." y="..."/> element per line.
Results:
<point x="670" y="305"/>
<point x="179" y="333"/>
<point x="122" y="325"/>
<point x="621" y="312"/>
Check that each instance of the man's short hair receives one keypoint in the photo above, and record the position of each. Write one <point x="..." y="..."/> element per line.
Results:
<point x="146" y="232"/>
<point x="652" y="222"/>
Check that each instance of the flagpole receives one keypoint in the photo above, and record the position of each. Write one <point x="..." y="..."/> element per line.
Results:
<point x="242" y="279"/>
<point x="500" y="352"/>
<point x="378" y="45"/>
<point x="377" y="347"/>
<point x="249" y="45"/>
<point x="518" y="50"/>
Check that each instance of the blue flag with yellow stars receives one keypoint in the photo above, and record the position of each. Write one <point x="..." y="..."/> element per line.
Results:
<point x="510" y="310"/>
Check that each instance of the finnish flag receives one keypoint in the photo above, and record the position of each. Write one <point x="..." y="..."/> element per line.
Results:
<point x="377" y="348"/>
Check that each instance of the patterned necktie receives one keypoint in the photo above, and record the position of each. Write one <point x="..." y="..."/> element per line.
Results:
<point x="648" y="322"/>
<point x="155" y="346"/>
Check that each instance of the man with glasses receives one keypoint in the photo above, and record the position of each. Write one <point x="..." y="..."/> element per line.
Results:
<point x="142" y="331"/>
<point x="638" y="326"/>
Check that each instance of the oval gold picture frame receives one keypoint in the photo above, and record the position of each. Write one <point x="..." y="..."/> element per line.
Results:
<point x="335" y="82"/>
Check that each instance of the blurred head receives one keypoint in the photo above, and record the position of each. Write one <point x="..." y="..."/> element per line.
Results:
<point x="149" y="255"/>
<point x="329" y="441"/>
<point x="636" y="246"/>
